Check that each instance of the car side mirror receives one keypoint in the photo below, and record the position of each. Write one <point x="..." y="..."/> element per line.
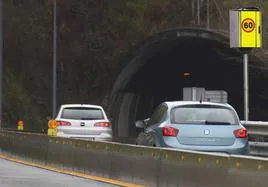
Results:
<point x="146" y="121"/>
<point x="140" y="125"/>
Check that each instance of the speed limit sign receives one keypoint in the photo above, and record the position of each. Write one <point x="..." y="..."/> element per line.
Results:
<point x="245" y="32"/>
<point x="248" y="25"/>
<point x="245" y="28"/>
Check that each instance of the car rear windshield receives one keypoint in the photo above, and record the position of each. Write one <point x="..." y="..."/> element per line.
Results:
<point x="82" y="113"/>
<point x="203" y="114"/>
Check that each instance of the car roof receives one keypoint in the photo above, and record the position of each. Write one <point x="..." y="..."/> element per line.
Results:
<point x="81" y="105"/>
<point x="172" y="104"/>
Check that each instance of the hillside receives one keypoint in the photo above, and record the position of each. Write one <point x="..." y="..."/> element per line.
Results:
<point x="93" y="36"/>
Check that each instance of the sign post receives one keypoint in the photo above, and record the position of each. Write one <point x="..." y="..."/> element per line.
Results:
<point x="245" y="70"/>
<point x="245" y="34"/>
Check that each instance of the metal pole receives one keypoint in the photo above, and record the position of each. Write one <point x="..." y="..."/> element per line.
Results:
<point x="208" y="17"/>
<point x="198" y="12"/>
<point x="54" y="102"/>
<point x="245" y="59"/>
<point x="1" y="61"/>
<point x="193" y="11"/>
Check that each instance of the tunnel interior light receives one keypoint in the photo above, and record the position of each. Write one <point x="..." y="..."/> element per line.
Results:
<point x="186" y="74"/>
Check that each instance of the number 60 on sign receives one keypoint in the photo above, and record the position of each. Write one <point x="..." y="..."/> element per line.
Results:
<point x="248" y="25"/>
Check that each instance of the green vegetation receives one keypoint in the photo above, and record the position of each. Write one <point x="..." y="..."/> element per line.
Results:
<point x="93" y="35"/>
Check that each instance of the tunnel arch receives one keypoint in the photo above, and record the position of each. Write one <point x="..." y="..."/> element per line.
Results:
<point x="152" y="72"/>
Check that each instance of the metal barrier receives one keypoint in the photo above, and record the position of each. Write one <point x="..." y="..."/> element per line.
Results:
<point x="258" y="132"/>
<point x="137" y="164"/>
<point x="257" y="129"/>
<point x="259" y="148"/>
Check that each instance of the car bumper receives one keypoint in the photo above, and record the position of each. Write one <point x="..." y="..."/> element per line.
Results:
<point x="102" y="137"/>
<point x="239" y="147"/>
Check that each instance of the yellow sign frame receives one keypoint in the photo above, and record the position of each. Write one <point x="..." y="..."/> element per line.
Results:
<point x="245" y="28"/>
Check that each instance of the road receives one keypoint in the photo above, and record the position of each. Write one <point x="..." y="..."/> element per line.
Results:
<point x="13" y="174"/>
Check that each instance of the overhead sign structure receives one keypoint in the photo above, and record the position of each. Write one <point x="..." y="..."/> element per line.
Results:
<point x="245" y="33"/>
<point x="245" y="28"/>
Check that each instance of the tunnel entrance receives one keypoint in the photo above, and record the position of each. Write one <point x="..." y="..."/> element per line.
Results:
<point x="158" y="69"/>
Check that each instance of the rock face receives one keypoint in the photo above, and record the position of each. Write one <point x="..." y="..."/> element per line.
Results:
<point x="93" y="36"/>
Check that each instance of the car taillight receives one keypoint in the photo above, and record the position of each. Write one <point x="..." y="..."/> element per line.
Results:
<point x="241" y="133"/>
<point x="63" y="123"/>
<point x="169" y="131"/>
<point x="103" y="124"/>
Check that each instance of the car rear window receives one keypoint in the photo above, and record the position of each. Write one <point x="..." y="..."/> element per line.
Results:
<point x="82" y="113"/>
<point x="203" y="114"/>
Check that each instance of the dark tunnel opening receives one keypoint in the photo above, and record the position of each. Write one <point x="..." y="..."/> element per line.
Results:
<point x="162" y="69"/>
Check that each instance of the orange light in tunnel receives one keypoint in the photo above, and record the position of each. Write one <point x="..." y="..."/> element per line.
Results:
<point x="186" y="74"/>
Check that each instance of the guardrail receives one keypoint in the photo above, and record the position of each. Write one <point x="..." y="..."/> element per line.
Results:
<point x="258" y="130"/>
<point x="259" y="148"/>
<point x="137" y="164"/>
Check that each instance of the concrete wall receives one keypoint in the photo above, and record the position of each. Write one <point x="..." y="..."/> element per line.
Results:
<point x="136" y="164"/>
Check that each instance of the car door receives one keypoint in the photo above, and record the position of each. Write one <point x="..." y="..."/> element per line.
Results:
<point x="158" y="116"/>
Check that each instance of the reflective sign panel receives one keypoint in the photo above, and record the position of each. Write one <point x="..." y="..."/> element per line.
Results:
<point x="245" y="28"/>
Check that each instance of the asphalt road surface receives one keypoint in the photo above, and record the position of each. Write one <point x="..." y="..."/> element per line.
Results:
<point x="13" y="174"/>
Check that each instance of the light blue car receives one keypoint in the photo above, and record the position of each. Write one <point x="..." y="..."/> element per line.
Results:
<point x="200" y="126"/>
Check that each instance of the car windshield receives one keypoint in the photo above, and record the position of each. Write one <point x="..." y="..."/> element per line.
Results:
<point x="82" y="113"/>
<point x="204" y="114"/>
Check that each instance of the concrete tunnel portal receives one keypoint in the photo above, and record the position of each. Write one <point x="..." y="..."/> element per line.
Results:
<point x="154" y="71"/>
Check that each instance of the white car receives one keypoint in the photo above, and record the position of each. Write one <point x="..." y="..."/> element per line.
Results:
<point x="83" y="121"/>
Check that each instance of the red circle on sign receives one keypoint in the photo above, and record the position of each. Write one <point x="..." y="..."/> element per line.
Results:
<point x="250" y="21"/>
